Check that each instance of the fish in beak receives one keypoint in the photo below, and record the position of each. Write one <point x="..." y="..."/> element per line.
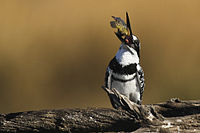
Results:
<point x="124" y="33"/>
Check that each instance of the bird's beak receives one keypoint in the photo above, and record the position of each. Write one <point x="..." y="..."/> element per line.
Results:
<point x="128" y="39"/>
<point x="128" y="24"/>
<point x="119" y="36"/>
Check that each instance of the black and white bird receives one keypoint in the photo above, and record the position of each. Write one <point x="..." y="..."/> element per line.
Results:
<point x="124" y="72"/>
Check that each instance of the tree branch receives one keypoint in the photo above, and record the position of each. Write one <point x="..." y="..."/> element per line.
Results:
<point x="171" y="116"/>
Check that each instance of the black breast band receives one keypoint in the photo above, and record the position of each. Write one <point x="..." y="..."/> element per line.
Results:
<point x="123" y="80"/>
<point x="126" y="70"/>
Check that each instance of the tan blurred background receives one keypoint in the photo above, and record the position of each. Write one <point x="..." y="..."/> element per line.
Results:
<point x="53" y="54"/>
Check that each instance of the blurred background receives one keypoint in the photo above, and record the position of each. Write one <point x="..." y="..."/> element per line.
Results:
<point x="53" y="54"/>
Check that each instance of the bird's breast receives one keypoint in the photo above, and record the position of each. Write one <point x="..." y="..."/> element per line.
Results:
<point x="125" y="57"/>
<point x="124" y="77"/>
<point x="118" y="68"/>
<point x="128" y="89"/>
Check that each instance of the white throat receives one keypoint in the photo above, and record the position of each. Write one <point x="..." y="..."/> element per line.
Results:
<point x="126" y="56"/>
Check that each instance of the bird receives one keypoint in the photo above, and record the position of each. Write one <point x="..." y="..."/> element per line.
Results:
<point x="124" y="72"/>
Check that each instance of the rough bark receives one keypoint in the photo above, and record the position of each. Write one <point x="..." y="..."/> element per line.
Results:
<point x="171" y="116"/>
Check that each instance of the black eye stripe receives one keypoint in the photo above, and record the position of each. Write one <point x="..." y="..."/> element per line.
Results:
<point x="136" y="41"/>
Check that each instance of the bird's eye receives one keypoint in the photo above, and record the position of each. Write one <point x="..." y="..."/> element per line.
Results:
<point x="137" y="43"/>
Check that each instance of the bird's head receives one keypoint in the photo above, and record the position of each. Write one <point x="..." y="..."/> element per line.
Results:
<point x="132" y="43"/>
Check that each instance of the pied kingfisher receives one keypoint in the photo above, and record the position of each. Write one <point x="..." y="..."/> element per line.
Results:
<point x="124" y="72"/>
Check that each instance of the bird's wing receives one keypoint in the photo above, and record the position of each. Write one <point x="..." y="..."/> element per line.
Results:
<point x="108" y="76"/>
<point x="140" y="80"/>
<point x="108" y="84"/>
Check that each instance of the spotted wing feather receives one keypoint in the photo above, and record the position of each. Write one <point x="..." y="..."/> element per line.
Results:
<point x="140" y="80"/>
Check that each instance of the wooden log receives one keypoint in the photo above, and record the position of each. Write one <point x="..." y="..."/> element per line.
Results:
<point x="171" y="116"/>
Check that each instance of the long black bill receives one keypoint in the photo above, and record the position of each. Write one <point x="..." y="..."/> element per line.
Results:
<point x="128" y="23"/>
<point x="119" y="37"/>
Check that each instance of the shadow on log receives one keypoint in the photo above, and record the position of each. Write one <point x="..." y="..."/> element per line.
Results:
<point x="171" y="116"/>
